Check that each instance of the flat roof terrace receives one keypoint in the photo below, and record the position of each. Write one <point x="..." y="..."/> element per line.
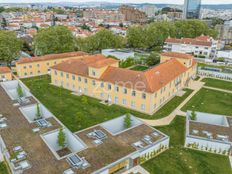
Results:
<point x="19" y="133"/>
<point x="211" y="126"/>
<point x="114" y="147"/>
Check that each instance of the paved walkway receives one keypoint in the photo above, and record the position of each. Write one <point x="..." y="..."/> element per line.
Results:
<point x="196" y="86"/>
<point x="218" y="89"/>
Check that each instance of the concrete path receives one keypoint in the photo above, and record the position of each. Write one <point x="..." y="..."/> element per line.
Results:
<point x="218" y="89"/>
<point x="196" y="86"/>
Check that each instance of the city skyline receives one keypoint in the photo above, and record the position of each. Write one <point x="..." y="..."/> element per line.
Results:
<point x="120" y="1"/>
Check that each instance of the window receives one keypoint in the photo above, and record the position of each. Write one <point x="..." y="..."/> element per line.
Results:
<point x="154" y="106"/>
<point x="48" y="64"/>
<point x="144" y="95"/>
<point x="79" y="79"/>
<point x="3" y="77"/>
<point x="143" y="107"/>
<point x="133" y="104"/>
<point x="155" y="95"/>
<point x="116" y="100"/>
<point x="25" y="74"/>
<point x="93" y="73"/>
<point x="86" y="81"/>
<point x="25" y="67"/>
<point x="116" y="88"/>
<point x="38" y="65"/>
<point x="38" y="72"/>
<point x="73" y="77"/>
<point x="102" y="95"/>
<point x="86" y="90"/>
<point x="55" y="72"/>
<point x="67" y="76"/>
<point x="61" y="74"/>
<point x="125" y="91"/>
<point x="31" y="73"/>
<point x="109" y="86"/>
<point x="133" y="93"/>
<point x="93" y="82"/>
<point x="102" y="84"/>
<point x="74" y="87"/>
<point x="124" y="101"/>
<point x="55" y="62"/>
<point x="30" y="66"/>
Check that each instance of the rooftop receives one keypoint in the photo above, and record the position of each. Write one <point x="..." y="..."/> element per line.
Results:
<point x="202" y="41"/>
<point x="4" y="70"/>
<point x="51" y="57"/>
<point x="114" y="147"/>
<point x="177" y="55"/>
<point x="211" y="126"/>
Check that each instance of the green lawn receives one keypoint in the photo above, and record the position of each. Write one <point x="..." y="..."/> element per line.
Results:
<point x="218" y="83"/>
<point x="74" y="113"/>
<point x="211" y="101"/>
<point x="139" y="68"/>
<point x="3" y="168"/>
<point x="178" y="160"/>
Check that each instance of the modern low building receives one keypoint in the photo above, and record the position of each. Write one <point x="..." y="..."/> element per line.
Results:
<point x="35" y="66"/>
<point x="5" y="74"/>
<point x="202" y="46"/>
<point x="209" y="132"/>
<point x="32" y="146"/>
<point x="101" y="78"/>
<point x="121" y="54"/>
<point x="226" y="54"/>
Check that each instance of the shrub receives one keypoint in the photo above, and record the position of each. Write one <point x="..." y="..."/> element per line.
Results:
<point x="61" y="138"/>
<point x="19" y="91"/>
<point x="38" y="112"/>
<point x="193" y="115"/>
<point x="127" y="121"/>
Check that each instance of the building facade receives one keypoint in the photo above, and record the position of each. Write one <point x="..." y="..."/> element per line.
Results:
<point x="35" y="66"/>
<point x="202" y="46"/>
<point x="132" y="14"/>
<point x="192" y="9"/>
<point x="101" y="78"/>
<point x="5" y="74"/>
<point x="225" y="32"/>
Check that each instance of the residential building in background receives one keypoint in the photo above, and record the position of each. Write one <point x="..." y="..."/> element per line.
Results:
<point x="146" y="91"/>
<point x="132" y="14"/>
<point x="5" y="74"/>
<point x="225" y="32"/>
<point x="35" y="66"/>
<point x="149" y="10"/>
<point x="192" y="9"/>
<point x="202" y="46"/>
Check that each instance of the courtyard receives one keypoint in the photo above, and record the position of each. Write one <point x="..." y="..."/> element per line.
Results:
<point x="79" y="112"/>
<point x="180" y="160"/>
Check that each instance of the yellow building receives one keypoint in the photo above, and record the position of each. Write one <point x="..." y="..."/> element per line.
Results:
<point x="5" y="74"/>
<point x="35" y="66"/>
<point x="101" y="78"/>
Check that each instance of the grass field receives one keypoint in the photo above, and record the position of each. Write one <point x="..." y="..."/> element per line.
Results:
<point x="3" y="168"/>
<point x="211" y="101"/>
<point x="178" y="160"/>
<point x="76" y="114"/>
<point x="139" y="68"/>
<point x="218" y="83"/>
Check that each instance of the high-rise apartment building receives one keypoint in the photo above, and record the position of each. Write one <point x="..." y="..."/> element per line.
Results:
<point x="192" y="9"/>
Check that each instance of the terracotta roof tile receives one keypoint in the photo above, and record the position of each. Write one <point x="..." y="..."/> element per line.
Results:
<point x="51" y="57"/>
<point x="4" y="70"/>
<point x="177" y="55"/>
<point x="80" y="66"/>
<point x="196" y="41"/>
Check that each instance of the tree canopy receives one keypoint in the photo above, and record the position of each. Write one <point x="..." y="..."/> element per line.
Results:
<point x="57" y="39"/>
<point x="10" y="46"/>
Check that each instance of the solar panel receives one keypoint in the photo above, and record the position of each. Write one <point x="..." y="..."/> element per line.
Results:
<point x="99" y="134"/>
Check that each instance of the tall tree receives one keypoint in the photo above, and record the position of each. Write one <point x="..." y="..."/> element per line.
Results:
<point x="57" y="39"/>
<point x="153" y="59"/>
<point x="10" y="46"/>
<point x="61" y="138"/>
<point x="135" y="37"/>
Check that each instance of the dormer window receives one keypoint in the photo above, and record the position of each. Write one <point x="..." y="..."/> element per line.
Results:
<point x="93" y="73"/>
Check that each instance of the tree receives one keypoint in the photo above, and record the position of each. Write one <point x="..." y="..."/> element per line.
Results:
<point x="57" y="39"/>
<point x="10" y="46"/>
<point x="153" y="59"/>
<point x="193" y="115"/>
<point x="19" y="91"/>
<point x="38" y="112"/>
<point x="61" y="138"/>
<point x="127" y="121"/>
<point x="135" y="37"/>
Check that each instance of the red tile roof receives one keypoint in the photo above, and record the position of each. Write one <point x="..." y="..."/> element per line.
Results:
<point x="177" y="55"/>
<point x="51" y="57"/>
<point x="190" y="41"/>
<point x="150" y="81"/>
<point x="4" y="70"/>
<point x="80" y="66"/>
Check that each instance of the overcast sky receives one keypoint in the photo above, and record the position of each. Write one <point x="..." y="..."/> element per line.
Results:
<point x="128" y="1"/>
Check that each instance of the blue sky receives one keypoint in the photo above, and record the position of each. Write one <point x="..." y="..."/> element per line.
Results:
<point x="133" y="1"/>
